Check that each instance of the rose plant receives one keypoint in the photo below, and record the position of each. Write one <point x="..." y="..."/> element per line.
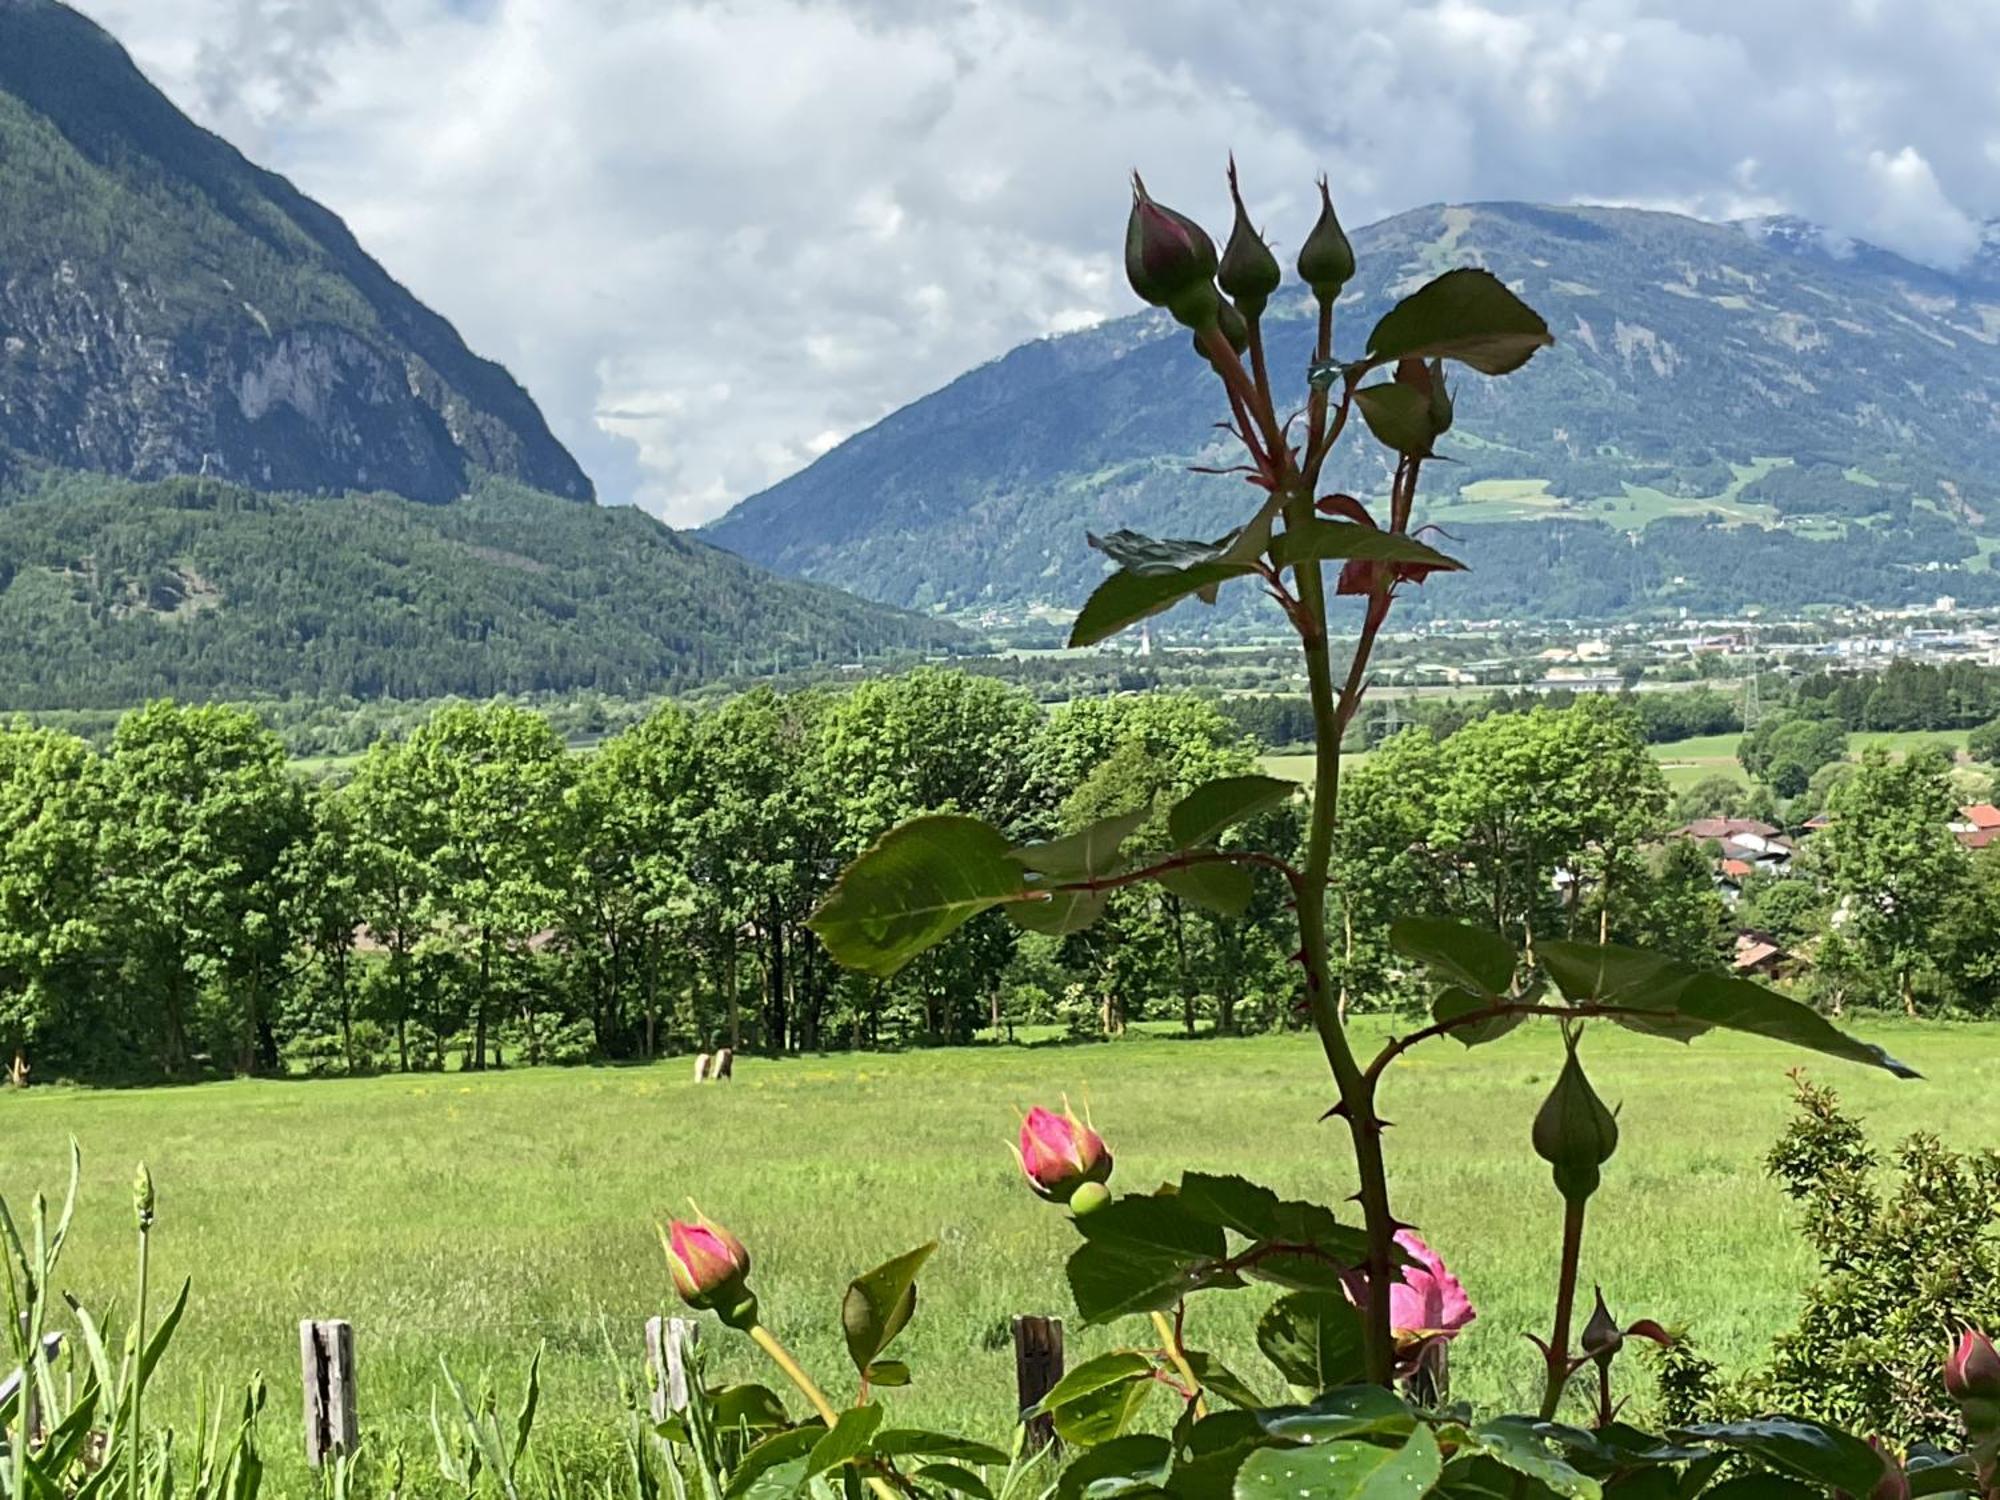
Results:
<point x="1365" y="1308"/>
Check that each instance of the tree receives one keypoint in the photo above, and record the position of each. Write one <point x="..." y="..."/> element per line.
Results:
<point x="1784" y="751"/>
<point x="629" y="892"/>
<point x="1891" y="862"/>
<point x="51" y="932"/>
<point x="485" y="788"/>
<point x="203" y="818"/>
<point x="1983" y="744"/>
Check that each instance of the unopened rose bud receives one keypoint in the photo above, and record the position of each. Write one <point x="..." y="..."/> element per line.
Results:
<point x="1441" y="412"/>
<point x="1326" y="260"/>
<point x="1249" y="271"/>
<point x="709" y="1267"/>
<point x="1168" y="256"/>
<point x="1972" y="1374"/>
<point x="1602" y="1337"/>
<point x="1061" y="1156"/>
<point x="1895" y="1481"/>
<point x="1574" y="1133"/>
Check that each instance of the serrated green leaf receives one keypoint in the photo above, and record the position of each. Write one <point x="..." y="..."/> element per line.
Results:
<point x="1341" y="541"/>
<point x="849" y="1437"/>
<point x="1682" y="1002"/>
<point x="917" y="884"/>
<point x="1154" y="1223"/>
<point x="1514" y="1442"/>
<point x="1128" y="1465"/>
<point x="1126" y="598"/>
<point x="1219" y="1380"/>
<point x="914" y="1442"/>
<point x="1314" y="1339"/>
<point x="1453" y="1003"/>
<point x="1474" y="958"/>
<point x="1059" y="913"/>
<point x="879" y="1303"/>
<point x="1352" y="1470"/>
<point x="1215" y="806"/>
<point x="776" y="1466"/>
<point x="1113" y="1281"/>
<point x="1354" y="1411"/>
<point x="1466" y="314"/>
<point x="1214" y="885"/>
<point x="959" y="1481"/>
<point x="1094" y="1374"/>
<point x="1798" y="1446"/>
<point x="1103" y="1412"/>
<point x="1136" y="552"/>
<point x="1086" y="854"/>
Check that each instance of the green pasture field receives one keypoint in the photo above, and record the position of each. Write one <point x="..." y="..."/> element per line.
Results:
<point x="475" y="1216"/>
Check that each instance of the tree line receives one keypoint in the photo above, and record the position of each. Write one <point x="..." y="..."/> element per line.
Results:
<point x="477" y="891"/>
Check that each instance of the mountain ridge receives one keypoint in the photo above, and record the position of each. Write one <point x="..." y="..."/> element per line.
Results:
<point x="1704" y="373"/>
<point x="167" y="306"/>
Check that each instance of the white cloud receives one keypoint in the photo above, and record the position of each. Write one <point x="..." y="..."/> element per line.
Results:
<point x="709" y="235"/>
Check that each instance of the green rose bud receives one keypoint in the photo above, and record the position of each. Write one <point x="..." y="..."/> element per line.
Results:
<point x="1326" y="260"/>
<point x="1249" y="271"/>
<point x="1574" y="1133"/>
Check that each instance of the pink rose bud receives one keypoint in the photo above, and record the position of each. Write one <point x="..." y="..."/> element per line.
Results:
<point x="1061" y="1155"/>
<point x="1167" y="254"/>
<point x="1895" y="1481"/>
<point x="708" y="1264"/>
<point x="1973" y="1371"/>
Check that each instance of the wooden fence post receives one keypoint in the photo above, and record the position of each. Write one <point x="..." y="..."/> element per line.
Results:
<point x="1038" y="1365"/>
<point x="326" y="1368"/>
<point x="669" y="1343"/>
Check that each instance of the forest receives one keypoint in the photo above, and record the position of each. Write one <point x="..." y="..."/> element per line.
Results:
<point x="479" y="893"/>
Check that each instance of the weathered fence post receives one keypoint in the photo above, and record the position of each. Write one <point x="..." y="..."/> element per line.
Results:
<point x="1038" y="1365"/>
<point x="326" y="1369"/>
<point x="669" y="1343"/>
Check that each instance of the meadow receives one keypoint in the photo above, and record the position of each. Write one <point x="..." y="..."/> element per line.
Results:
<point x="475" y="1216"/>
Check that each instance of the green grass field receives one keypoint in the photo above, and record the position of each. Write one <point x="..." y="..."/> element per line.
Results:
<point x="1685" y="762"/>
<point x="473" y="1216"/>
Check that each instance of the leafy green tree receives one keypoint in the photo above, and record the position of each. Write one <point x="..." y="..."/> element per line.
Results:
<point x="1784" y="751"/>
<point x="766" y="841"/>
<point x="52" y="820"/>
<point x="204" y="816"/>
<point x="1891" y="862"/>
<point x="629" y="898"/>
<point x="325" y="908"/>
<point x="1676" y="909"/>
<point x="490" y="785"/>
<point x="1983" y="743"/>
<point x="393" y="828"/>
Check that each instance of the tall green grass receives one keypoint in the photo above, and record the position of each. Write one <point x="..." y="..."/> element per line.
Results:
<point x="475" y="1216"/>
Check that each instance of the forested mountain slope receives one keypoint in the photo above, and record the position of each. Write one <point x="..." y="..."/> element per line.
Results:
<point x="111" y="592"/>
<point x="1733" y="414"/>
<point x="166" y="307"/>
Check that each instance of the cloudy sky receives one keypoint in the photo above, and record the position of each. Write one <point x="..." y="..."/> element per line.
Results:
<point x="714" y="237"/>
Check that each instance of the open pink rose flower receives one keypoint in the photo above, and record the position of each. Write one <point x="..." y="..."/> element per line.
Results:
<point x="1427" y="1305"/>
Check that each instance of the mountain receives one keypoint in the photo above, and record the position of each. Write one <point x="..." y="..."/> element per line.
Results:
<point x="236" y="458"/>
<point x="115" y="591"/>
<point x="168" y="308"/>
<point x="1734" y="414"/>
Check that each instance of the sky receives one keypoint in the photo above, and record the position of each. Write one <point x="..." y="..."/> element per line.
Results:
<point x="715" y="237"/>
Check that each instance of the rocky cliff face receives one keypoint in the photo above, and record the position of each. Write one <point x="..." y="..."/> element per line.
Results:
<point x="168" y="308"/>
